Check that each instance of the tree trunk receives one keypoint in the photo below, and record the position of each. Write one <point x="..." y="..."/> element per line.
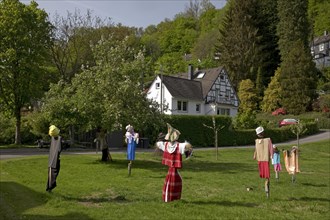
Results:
<point x="71" y="134"/>
<point x="18" y="126"/>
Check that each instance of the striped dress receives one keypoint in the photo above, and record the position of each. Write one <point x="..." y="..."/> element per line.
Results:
<point x="172" y="158"/>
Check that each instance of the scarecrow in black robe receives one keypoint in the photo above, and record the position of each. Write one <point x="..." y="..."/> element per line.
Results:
<point x="54" y="157"/>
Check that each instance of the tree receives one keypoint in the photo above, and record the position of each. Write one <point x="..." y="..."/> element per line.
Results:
<point x="238" y="45"/>
<point x="272" y="96"/>
<point x="72" y="36"/>
<point x="298" y="72"/>
<point x="247" y="95"/>
<point x="293" y="25"/>
<point x="298" y="80"/>
<point x="114" y="91"/>
<point x="319" y="16"/>
<point x="24" y="44"/>
<point x="267" y="20"/>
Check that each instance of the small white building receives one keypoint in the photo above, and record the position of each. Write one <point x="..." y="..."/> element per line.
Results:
<point x="320" y="50"/>
<point x="203" y="92"/>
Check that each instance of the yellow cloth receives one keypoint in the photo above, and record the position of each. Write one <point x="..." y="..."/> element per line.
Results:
<point x="291" y="161"/>
<point x="53" y="131"/>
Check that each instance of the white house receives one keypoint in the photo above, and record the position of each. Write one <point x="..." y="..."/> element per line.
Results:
<point x="203" y="92"/>
<point x="320" y="50"/>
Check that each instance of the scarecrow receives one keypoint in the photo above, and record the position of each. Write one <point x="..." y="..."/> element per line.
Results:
<point x="276" y="161"/>
<point x="101" y="141"/>
<point x="291" y="162"/>
<point x="132" y="139"/>
<point x="263" y="153"/>
<point x="172" y="157"/>
<point x="54" y="157"/>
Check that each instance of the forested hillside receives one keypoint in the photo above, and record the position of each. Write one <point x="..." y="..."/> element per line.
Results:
<point x="62" y="59"/>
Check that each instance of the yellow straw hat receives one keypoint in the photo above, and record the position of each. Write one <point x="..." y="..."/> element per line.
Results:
<point x="53" y="131"/>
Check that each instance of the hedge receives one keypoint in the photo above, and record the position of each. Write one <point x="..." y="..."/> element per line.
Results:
<point x="193" y="130"/>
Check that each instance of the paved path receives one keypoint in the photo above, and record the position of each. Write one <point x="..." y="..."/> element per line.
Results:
<point x="23" y="152"/>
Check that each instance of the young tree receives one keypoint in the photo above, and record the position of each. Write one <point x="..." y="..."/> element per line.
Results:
<point x="247" y="95"/>
<point x="24" y="44"/>
<point x="272" y="96"/>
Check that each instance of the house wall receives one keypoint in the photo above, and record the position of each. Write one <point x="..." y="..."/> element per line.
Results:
<point x="156" y="90"/>
<point x="191" y="107"/>
<point x="320" y="51"/>
<point x="171" y="103"/>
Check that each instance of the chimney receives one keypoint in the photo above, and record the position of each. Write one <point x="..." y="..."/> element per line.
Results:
<point x="325" y="33"/>
<point x="190" y="71"/>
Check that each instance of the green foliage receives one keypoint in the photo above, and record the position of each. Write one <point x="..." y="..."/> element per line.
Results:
<point x="25" y="39"/>
<point x="267" y="22"/>
<point x="272" y="96"/>
<point x="239" y="42"/>
<point x="318" y="11"/>
<point x="246" y="119"/>
<point x="293" y="25"/>
<point x="247" y="95"/>
<point x="114" y="91"/>
<point x="193" y="130"/>
<point x="298" y="79"/>
<point x="7" y="128"/>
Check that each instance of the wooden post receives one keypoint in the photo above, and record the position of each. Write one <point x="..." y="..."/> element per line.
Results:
<point x="129" y="168"/>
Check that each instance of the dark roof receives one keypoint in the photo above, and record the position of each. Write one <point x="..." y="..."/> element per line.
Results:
<point x="322" y="39"/>
<point x="207" y="81"/>
<point x="183" y="88"/>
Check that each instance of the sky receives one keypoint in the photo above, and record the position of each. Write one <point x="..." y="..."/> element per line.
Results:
<point x="132" y="13"/>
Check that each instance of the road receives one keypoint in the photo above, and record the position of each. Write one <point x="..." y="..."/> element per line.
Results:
<point x="24" y="152"/>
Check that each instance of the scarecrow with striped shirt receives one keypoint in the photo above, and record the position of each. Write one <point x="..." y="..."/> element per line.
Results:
<point x="172" y="157"/>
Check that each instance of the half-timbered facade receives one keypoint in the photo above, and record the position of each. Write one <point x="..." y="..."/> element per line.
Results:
<point x="201" y="92"/>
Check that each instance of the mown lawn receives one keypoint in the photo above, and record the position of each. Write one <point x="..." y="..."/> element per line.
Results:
<point x="90" y="189"/>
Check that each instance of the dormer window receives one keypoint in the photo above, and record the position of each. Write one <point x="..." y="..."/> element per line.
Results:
<point x="200" y="75"/>
<point x="321" y="47"/>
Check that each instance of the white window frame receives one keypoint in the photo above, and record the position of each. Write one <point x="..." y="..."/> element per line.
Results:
<point x="182" y="106"/>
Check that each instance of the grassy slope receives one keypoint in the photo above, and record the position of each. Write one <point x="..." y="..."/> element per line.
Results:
<point x="89" y="189"/>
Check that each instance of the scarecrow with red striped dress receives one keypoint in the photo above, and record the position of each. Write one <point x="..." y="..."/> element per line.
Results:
<point x="172" y="157"/>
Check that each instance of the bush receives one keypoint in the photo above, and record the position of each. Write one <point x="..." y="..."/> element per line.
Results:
<point x="193" y="130"/>
<point x="7" y="128"/>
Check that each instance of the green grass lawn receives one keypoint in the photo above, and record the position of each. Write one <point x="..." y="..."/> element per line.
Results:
<point x="90" y="189"/>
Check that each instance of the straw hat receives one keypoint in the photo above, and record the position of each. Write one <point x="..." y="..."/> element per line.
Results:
<point x="259" y="130"/>
<point x="172" y="134"/>
<point x="53" y="131"/>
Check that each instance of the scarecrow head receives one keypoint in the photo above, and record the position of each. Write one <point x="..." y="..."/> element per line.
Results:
<point x="260" y="131"/>
<point x="172" y="134"/>
<point x="53" y="131"/>
<point x="129" y="128"/>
